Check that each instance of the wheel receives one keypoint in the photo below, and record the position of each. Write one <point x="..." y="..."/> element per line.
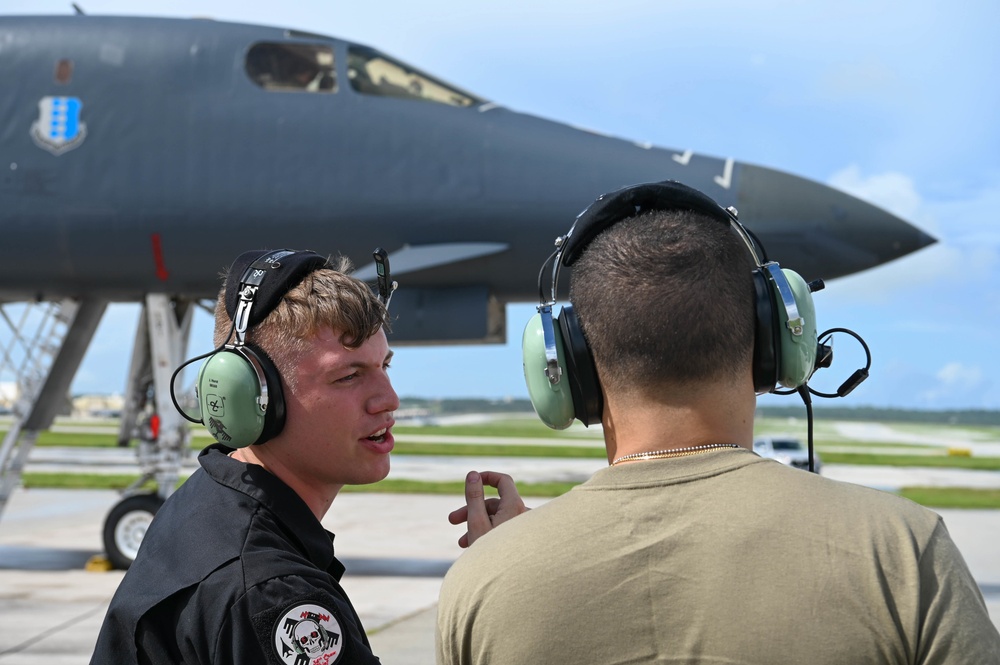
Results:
<point x="126" y="525"/>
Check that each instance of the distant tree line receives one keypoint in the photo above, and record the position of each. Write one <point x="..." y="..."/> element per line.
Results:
<point x="455" y="406"/>
<point x="879" y="414"/>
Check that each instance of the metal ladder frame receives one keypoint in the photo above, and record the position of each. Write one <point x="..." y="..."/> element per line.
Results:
<point x="51" y="356"/>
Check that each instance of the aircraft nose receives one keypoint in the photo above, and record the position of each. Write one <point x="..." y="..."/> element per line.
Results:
<point x="834" y="233"/>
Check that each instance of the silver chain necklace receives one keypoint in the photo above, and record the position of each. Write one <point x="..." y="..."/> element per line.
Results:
<point x="673" y="452"/>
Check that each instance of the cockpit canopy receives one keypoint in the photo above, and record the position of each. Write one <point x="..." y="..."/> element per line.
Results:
<point x="302" y="67"/>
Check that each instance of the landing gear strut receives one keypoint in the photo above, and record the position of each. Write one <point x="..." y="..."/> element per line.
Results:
<point x="162" y="433"/>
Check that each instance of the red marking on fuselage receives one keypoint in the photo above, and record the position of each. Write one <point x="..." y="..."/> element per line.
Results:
<point x="161" y="267"/>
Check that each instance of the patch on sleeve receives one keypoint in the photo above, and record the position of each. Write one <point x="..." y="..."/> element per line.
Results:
<point x="308" y="634"/>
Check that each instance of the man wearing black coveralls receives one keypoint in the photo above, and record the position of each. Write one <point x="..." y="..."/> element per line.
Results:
<point x="236" y="567"/>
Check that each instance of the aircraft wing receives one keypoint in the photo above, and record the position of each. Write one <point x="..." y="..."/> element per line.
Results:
<point x="413" y="258"/>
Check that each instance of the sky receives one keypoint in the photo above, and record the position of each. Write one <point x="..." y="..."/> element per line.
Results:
<point x="893" y="101"/>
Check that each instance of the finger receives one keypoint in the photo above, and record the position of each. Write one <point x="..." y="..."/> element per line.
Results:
<point x="478" y="519"/>
<point x="492" y="506"/>
<point x="509" y="496"/>
<point x="510" y="503"/>
<point x="475" y="503"/>
<point x="503" y="482"/>
<point x="463" y="542"/>
<point x="507" y="488"/>
<point x="459" y="515"/>
<point x="492" y="478"/>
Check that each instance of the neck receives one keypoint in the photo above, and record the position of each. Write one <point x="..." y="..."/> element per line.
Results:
<point x="716" y="413"/>
<point x="318" y="499"/>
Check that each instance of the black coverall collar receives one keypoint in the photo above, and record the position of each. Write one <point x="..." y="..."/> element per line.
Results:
<point x="266" y="488"/>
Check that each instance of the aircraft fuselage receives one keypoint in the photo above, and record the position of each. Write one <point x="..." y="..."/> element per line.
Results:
<point x="180" y="158"/>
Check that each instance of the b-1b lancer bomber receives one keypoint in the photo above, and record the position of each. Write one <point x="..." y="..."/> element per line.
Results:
<point x="139" y="156"/>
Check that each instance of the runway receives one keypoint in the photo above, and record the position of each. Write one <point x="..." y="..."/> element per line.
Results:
<point x="396" y="549"/>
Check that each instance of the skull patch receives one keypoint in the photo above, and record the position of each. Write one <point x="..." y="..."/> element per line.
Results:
<point x="308" y="633"/>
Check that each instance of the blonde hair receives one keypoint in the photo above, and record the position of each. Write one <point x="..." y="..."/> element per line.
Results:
<point x="326" y="298"/>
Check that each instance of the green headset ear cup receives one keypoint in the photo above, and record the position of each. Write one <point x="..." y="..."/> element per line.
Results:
<point x="797" y="352"/>
<point x="229" y="392"/>
<point x="553" y="403"/>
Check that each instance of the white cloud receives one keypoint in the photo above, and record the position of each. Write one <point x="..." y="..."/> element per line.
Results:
<point x="957" y="374"/>
<point x="955" y="382"/>
<point x="967" y="254"/>
<point x="893" y="191"/>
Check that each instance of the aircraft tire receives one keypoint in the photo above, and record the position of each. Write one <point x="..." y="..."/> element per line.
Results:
<point x="126" y="525"/>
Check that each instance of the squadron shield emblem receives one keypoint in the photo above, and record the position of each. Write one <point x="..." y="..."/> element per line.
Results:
<point x="308" y="634"/>
<point x="59" y="127"/>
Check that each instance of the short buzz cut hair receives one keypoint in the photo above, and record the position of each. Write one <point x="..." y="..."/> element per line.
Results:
<point x="325" y="298"/>
<point x="666" y="302"/>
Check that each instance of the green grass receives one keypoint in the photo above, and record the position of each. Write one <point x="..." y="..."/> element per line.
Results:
<point x="450" y="449"/>
<point x="88" y="481"/>
<point x="78" y="440"/>
<point x="978" y="432"/>
<point x="852" y="443"/>
<point x="991" y="431"/>
<point x="519" y="427"/>
<point x="530" y="428"/>
<point x="934" y="461"/>
<point x="94" y="481"/>
<point x="953" y="497"/>
<point x="457" y="488"/>
<point x="402" y="447"/>
<point x="932" y="497"/>
<point x="496" y="450"/>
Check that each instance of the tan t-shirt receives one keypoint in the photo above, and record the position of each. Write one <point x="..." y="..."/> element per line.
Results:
<point x="721" y="557"/>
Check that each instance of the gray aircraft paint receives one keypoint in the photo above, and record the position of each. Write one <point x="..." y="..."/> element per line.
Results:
<point x="184" y="162"/>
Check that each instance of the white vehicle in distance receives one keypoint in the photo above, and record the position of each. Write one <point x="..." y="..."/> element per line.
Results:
<point x="787" y="450"/>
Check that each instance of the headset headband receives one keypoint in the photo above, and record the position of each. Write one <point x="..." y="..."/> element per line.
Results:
<point x="251" y="297"/>
<point x="632" y="201"/>
<point x="637" y="199"/>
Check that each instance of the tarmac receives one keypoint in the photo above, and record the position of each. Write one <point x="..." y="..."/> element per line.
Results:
<point x="396" y="548"/>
